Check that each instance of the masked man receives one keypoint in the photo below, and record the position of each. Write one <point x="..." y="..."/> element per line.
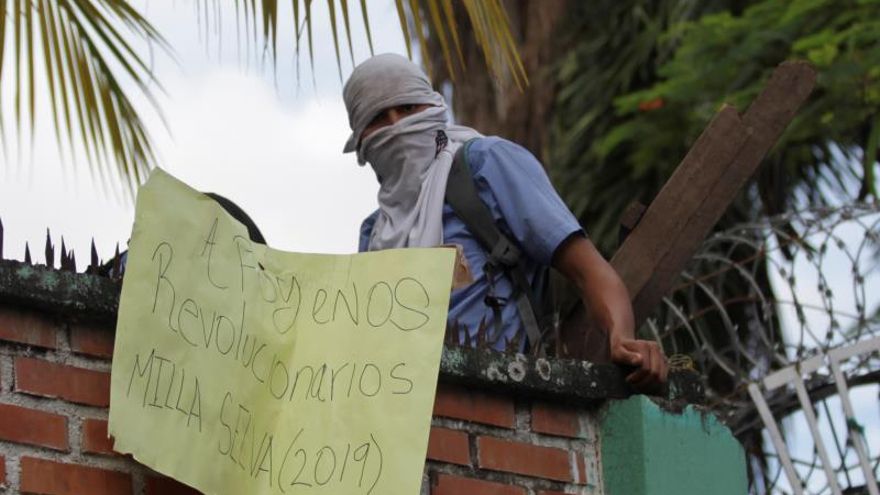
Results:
<point x="399" y="126"/>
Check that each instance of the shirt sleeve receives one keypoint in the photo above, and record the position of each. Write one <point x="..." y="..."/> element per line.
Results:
<point x="366" y="230"/>
<point x="523" y="197"/>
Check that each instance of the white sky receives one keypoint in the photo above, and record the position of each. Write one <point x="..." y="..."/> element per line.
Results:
<point x="272" y="146"/>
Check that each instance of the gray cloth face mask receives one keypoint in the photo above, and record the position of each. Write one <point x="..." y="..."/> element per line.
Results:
<point x="412" y="172"/>
<point x="405" y="148"/>
<point x="382" y="82"/>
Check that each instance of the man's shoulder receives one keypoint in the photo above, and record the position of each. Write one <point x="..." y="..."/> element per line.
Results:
<point x="497" y="152"/>
<point x="488" y="145"/>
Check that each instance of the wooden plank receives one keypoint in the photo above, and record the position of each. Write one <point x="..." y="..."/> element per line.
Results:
<point x="765" y="120"/>
<point x="669" y="215"/>
<point x="720" y="162"/>
<point x="630" y="218"/>
<point x="649" y="241"/>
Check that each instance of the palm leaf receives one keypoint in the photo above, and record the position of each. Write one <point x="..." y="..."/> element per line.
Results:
<point x="86" y="49"/>
<point x="434" y="10"/>
<point x="404" y="25"/>
<point x="419" y="27"/>
<point x="332" y="8"/>
<point x="366" y="24"/>
<point x="308" y="4"/>
<point x="491" y="29"/>
<point x="449" y="14"/>
<point x="78" y="41"/>
<point x="419" y="19"/>
<point x="347" y="22"/>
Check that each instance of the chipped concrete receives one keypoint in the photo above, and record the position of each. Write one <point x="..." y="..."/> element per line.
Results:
<point x="542" y="366"/>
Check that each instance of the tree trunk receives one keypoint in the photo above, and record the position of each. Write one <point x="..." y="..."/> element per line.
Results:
<point x="500" y="107"/>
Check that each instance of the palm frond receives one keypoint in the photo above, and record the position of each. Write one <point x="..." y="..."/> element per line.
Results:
<point x="420" y="33"/>
<point x="366" y="25"/>
<point x="331" y="6"/>
<point x="419" y="20"/>
<point x="347" y="22"/>
<point x="434" y="10"/>
<point x="404" y="25"/>
<point x="86" y="48"/>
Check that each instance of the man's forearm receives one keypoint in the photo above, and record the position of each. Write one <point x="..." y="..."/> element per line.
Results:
<point x="605" y="294"/>
<point x="601" y="289"/>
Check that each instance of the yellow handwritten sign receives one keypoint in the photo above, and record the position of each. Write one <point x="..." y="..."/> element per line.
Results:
<point x="240" y="369"/>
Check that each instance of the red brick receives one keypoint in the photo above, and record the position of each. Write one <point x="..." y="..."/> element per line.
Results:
<point x="581" y="470"/>
<point x="524" y="458"/>
<point x="168" y="486"/>
<point x="447" y="484"/>
<point x="554" y="419"/>
<point x="92" y="340"/>
<point x="451" y="446"/>
<point x="27" y="328"/>
<point x="38" y="377"/>
<point x="94" y="437"/>
<point x="470" y="405"/>
<point x="33" y="427"/>
<point x="45" y="477"/>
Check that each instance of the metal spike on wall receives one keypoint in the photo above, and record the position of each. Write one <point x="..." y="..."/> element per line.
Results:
<point x="63" y="259"/>
<point x="514" y="343"/>
<point x="93" y="264"/>
<point x="67" y="262"/>
<point x="27" y="254"/>
<point x="114" y="273"/>
<point x="50" y="251"/>
<point x="467" y="334"/>
<point x="481" y="341"/>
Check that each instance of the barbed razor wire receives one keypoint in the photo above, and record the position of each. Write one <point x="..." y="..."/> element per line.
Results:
<point x="775" y="295"/>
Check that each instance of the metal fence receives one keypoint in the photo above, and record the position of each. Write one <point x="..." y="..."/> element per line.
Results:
<point x="782" y="317"/>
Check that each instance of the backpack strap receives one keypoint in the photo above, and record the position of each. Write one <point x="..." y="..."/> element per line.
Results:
<point x="504" y="256"/>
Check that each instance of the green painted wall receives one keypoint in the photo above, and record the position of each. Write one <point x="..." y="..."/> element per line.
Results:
<point x="648" y="451"/>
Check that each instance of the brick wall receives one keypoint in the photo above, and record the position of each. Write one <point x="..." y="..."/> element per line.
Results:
<point x="55" y="390"/>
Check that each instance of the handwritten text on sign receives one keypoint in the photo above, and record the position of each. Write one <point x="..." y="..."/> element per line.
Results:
<point x="242" y="369"/>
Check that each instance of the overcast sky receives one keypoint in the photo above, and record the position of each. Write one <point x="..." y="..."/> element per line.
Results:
<point x="268" y="143"/>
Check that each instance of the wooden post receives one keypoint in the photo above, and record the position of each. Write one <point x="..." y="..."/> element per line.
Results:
<point x="704" y="184"/>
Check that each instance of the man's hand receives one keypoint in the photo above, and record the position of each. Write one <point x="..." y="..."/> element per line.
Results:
<point x="646" y="356"/>
<point x="604" y="293"/>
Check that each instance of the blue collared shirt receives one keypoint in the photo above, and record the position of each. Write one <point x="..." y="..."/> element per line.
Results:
<point x="526" y="207"/>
